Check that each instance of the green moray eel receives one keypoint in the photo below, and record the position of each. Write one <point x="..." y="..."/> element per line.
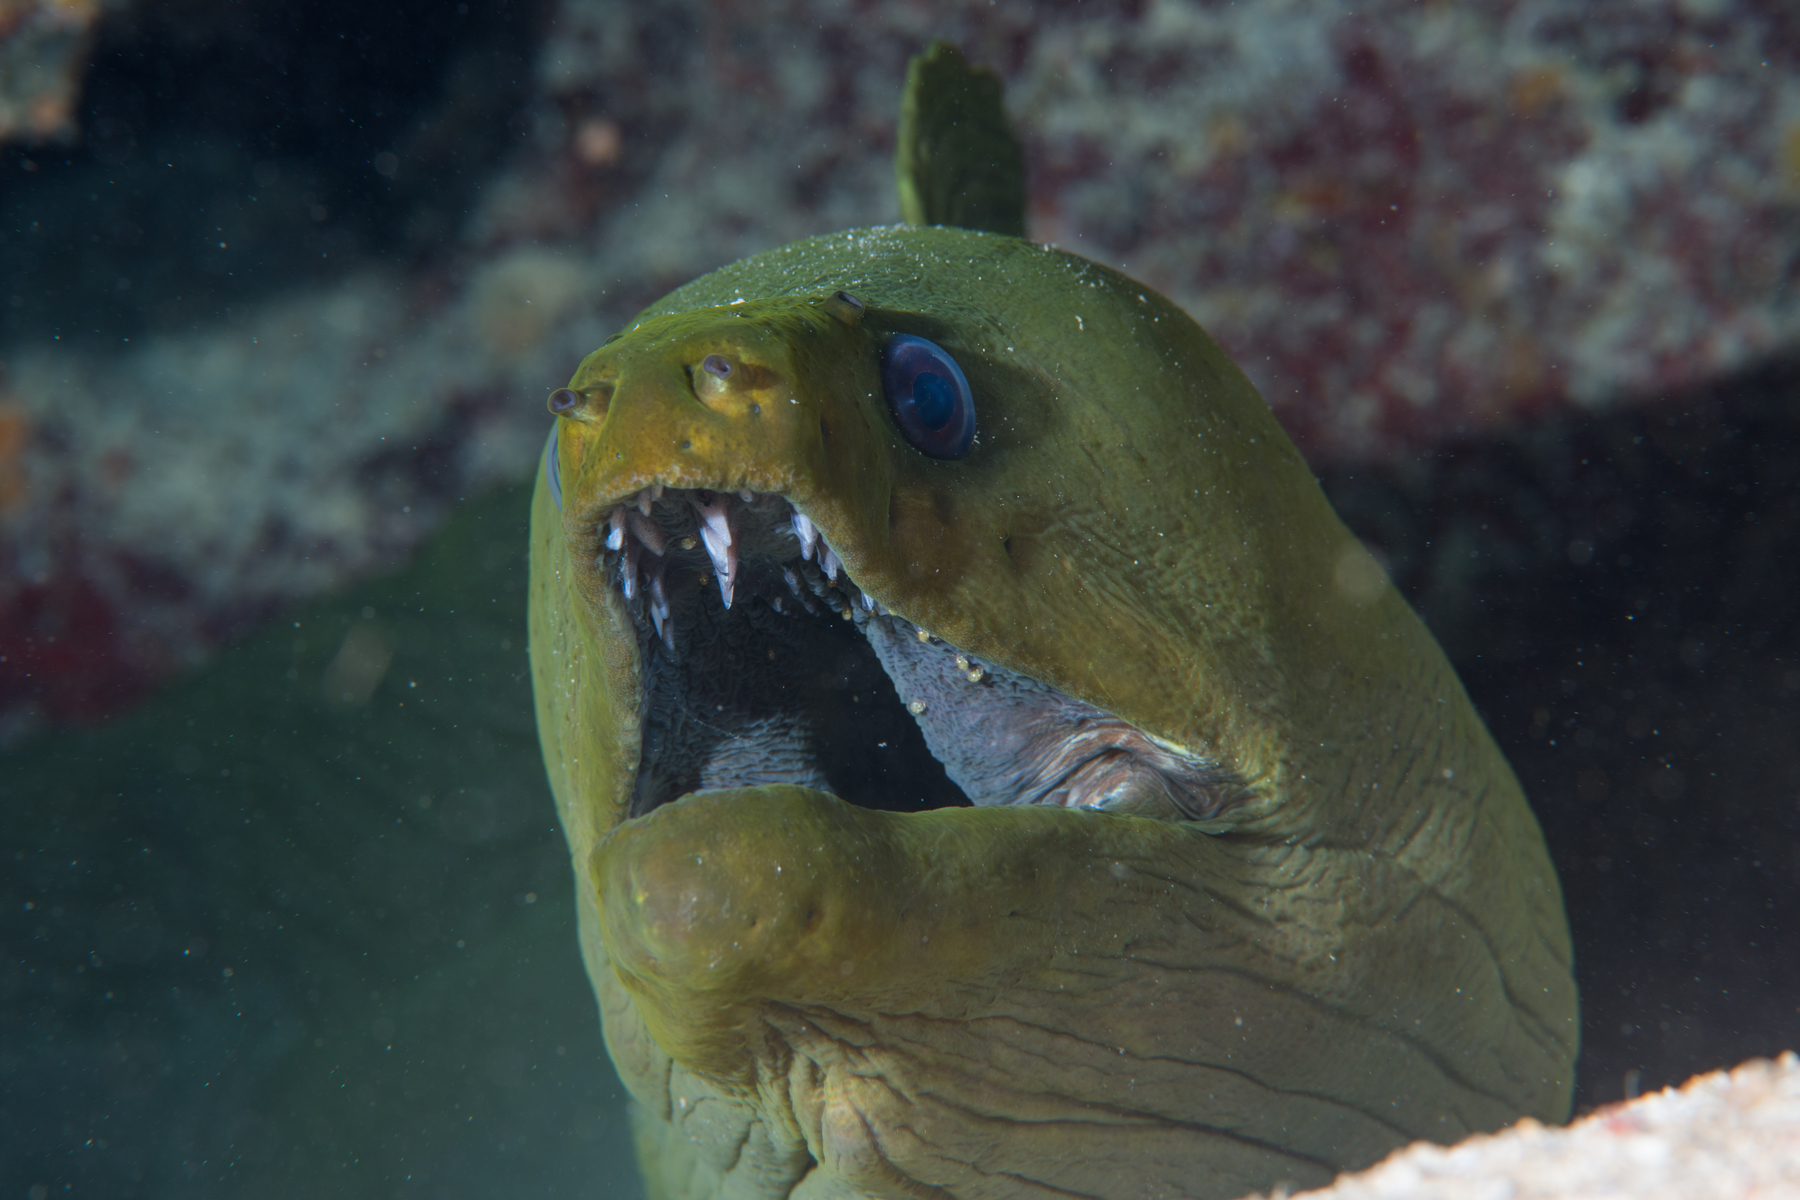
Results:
<point x="1073" y="810"/>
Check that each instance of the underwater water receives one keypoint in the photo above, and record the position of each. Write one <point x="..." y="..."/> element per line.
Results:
<point x="283" y="905"/>
<point x="302" y="925"/>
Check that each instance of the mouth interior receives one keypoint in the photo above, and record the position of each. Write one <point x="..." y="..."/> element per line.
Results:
<point x="764" y="663"/>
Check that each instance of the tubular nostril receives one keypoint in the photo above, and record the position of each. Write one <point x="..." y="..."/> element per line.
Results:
<point x="563" y="400"/>
<point x="714" y="364"/>
<point x="847" y="309"/>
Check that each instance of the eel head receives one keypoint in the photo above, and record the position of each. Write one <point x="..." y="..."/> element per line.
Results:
<point x="1070" y="807"/>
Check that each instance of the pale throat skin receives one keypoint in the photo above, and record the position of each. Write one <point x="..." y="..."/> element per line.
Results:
<point x="805" y="997"/>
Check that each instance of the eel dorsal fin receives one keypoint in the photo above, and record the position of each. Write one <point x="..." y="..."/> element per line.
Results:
<point x="958" y="162"/>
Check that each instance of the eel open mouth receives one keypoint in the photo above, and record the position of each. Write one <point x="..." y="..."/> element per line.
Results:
<point x="763" y="663"/>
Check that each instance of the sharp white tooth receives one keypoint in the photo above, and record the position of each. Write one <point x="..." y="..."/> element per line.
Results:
<point x="715" y="515"/>
<point x="615" y="533"/>
<point x="746" y="495"/>
<point x="656" y="490"/>
<point x="809" y="536"/>
<point x="659" y="606"/>
<point x="724" y="558"/>
<point x="644" y="500"/>
<point x="868" y="602"/>
<point x="715" y="531"/>
<point x="648" y="532"/>
<point x="717" y="522"/>
<point x="628" y="570"/>
<point x="828" y="562"/>
<point x="659" y="603"/>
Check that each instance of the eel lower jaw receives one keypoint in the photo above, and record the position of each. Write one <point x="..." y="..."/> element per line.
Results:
<point x="762" y="663"/>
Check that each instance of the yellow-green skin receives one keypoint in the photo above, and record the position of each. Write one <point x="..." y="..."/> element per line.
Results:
<point x="804" y="996"/>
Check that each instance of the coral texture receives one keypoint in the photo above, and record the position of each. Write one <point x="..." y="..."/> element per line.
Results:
<point x="1720" y="1136"/>
<point x="42" y="44"/>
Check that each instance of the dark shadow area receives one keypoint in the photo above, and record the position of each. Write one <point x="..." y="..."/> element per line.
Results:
<point x="230" y="151"/>
<point x="1618" y="593"/>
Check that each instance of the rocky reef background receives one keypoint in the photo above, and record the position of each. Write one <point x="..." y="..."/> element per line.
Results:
<point x="282" y="288"/>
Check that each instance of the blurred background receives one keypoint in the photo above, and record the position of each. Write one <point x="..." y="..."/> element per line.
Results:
<point x="283" y="907"/>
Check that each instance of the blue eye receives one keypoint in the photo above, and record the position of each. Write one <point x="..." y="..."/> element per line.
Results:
<point x="928" y="396"/>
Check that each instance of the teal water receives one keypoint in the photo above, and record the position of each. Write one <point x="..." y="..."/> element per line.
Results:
<point x="302" y="925"/>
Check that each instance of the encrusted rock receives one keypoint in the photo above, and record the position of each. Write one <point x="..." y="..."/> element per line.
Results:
<point x="1720" y="1136"/>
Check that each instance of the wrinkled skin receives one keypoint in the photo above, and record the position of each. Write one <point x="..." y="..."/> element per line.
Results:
<point x="1366" y="946"/>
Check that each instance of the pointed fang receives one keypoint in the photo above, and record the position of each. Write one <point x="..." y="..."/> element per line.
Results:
<point x="659" y="608"/>
<point x="648" y="532"/>
<point x="809" y="536"/>
<point x="724" y="557"/>
<point x="715" y="514"/>
<point x="628" y="570"/>
<point x="659" y="601"/>
<point x="615" y="533"/>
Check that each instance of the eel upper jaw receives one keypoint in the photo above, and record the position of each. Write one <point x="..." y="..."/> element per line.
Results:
<point x="644" y="537"/>
<point x="763" y="662"/>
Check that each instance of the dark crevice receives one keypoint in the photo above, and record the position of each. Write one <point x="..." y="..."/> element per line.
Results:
<point x="228" y="152"/>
